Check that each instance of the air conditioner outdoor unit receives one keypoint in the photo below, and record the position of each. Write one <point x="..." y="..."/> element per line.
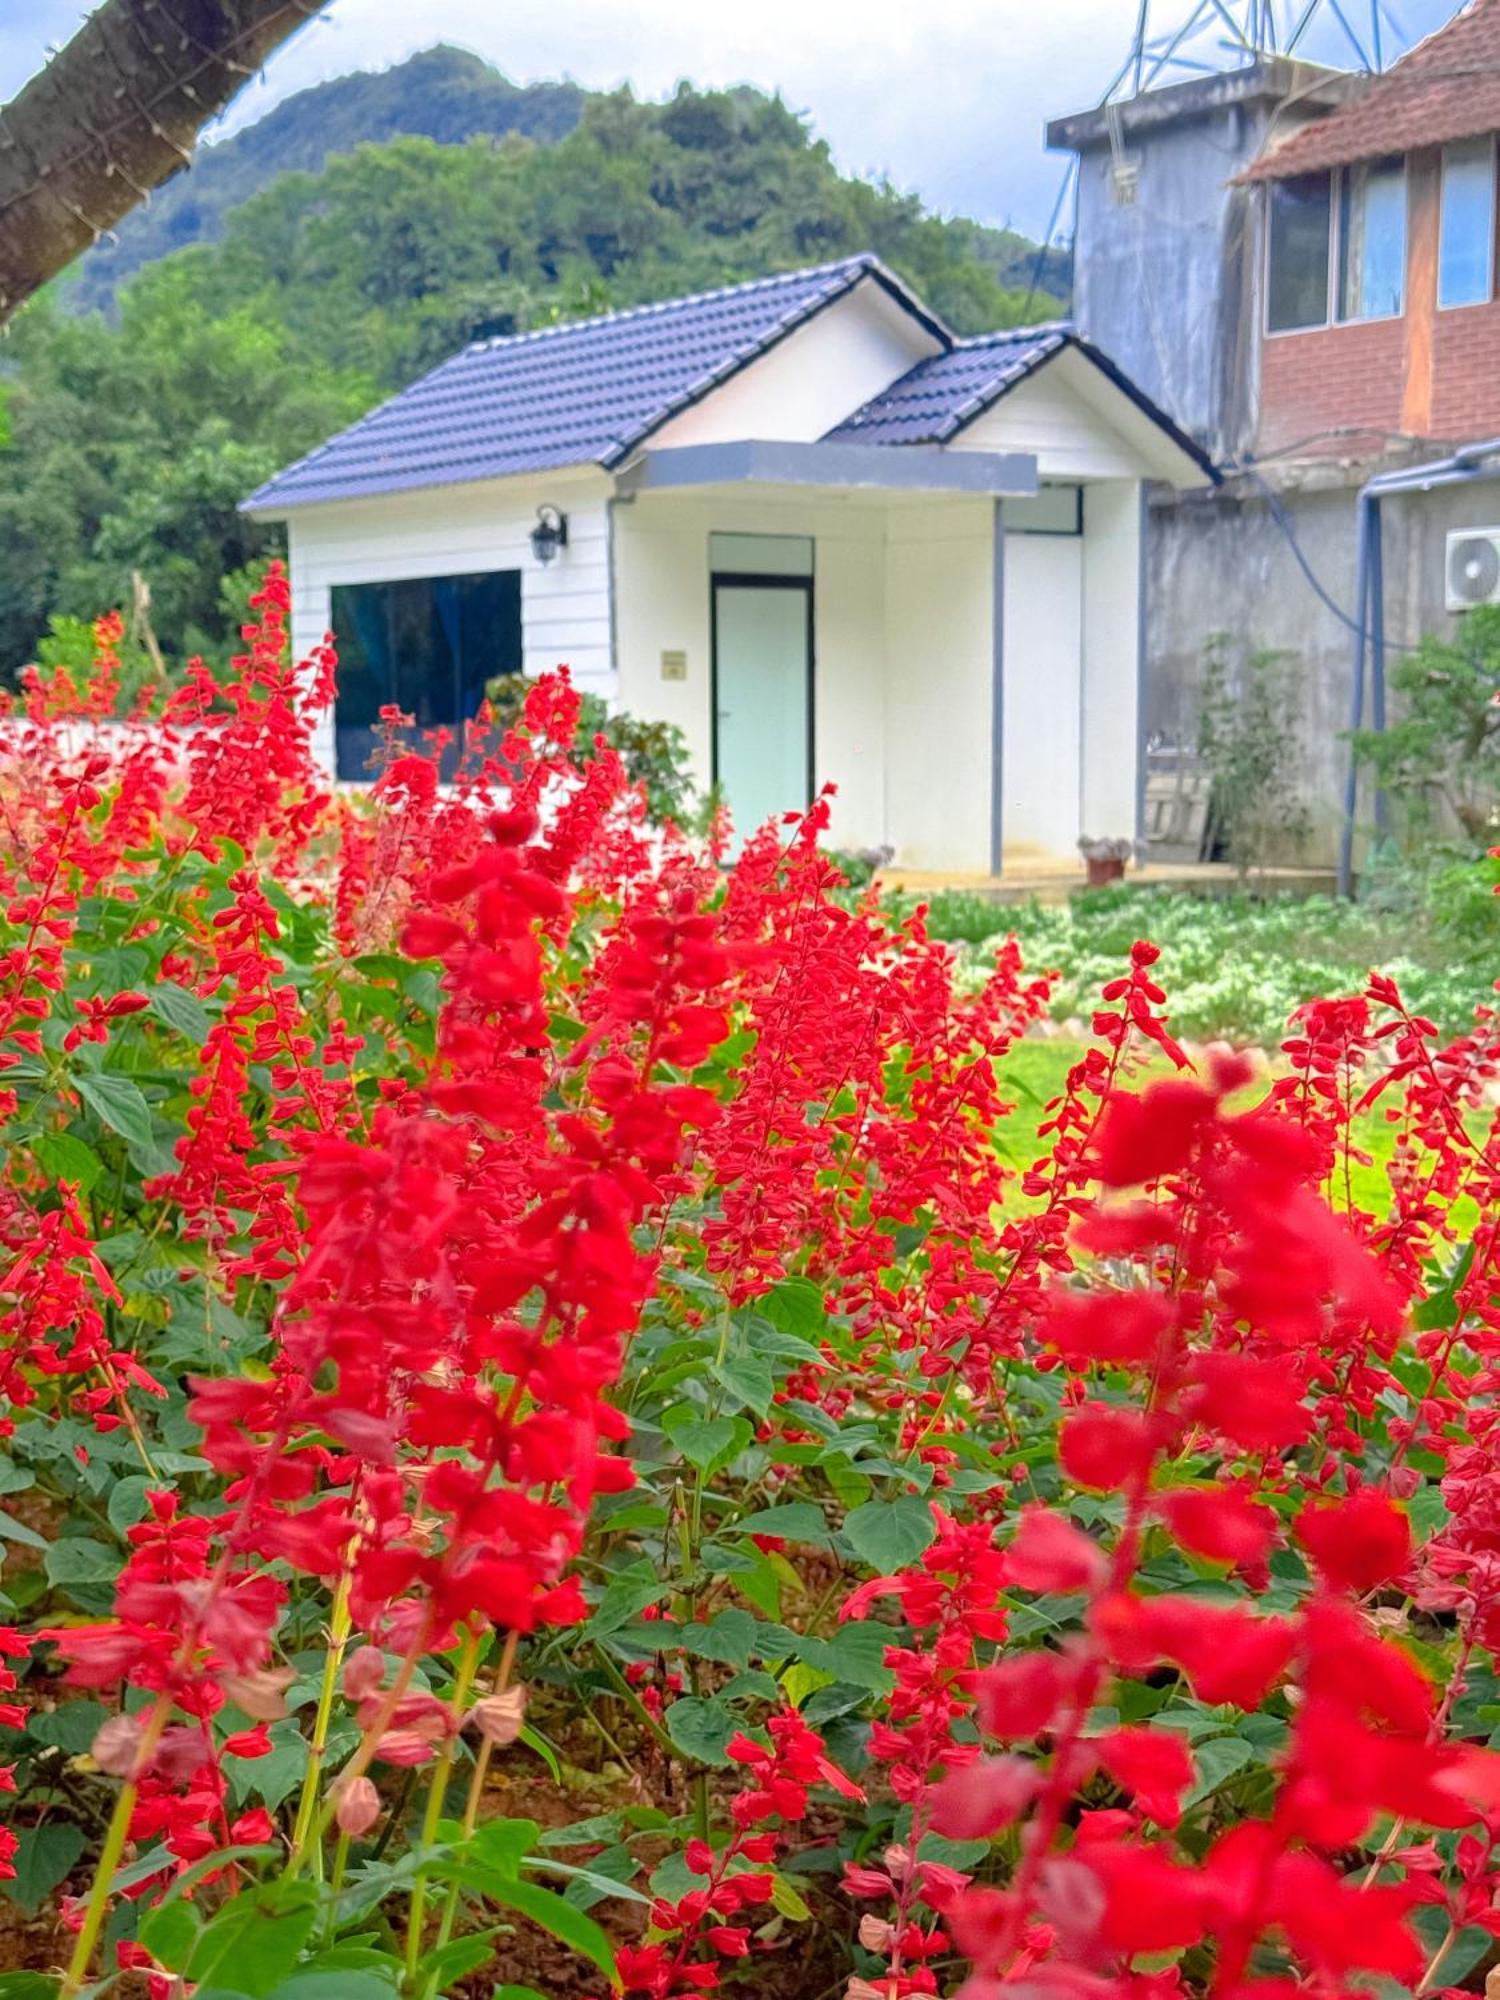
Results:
<point x="1473" y="572"/>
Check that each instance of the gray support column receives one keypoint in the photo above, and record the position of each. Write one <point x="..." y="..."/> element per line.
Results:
<point x="997" y="694"/>
<point x="1142" y="665"/>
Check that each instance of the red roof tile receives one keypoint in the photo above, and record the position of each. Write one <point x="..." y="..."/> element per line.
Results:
<point x="1448" y="87"/>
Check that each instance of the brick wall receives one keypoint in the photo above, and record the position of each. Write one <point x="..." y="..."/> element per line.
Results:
<point x="1331" y="379"/>
<point x="1466" y="372"/>
<point x="1432" y="374"/>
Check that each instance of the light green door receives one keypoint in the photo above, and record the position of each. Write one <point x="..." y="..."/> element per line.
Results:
<point x="762" y="696"/>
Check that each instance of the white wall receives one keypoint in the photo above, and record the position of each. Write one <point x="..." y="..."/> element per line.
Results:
<point x="662" y="605"/>
<point x="1043" y="695"/>
<point x="939" y="598"/>
<point x="813" y="378"/>
<point x="902" y="607"/>
<point x="457" y="530"/>
<point x="1113" y="517"/>
<point x="1051" y="415"/>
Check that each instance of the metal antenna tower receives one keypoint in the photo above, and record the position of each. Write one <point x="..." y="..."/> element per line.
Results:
<point x="1214" y="35"/>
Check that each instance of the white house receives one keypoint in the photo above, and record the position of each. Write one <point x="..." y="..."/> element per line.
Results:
<point x="798" y="518"/>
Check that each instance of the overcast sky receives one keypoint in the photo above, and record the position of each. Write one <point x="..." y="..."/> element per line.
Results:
<point x="948" y="97"/>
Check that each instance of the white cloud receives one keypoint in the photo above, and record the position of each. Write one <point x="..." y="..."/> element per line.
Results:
<point x="949" y="97"/>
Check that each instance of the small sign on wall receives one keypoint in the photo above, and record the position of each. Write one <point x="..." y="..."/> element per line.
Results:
<point x="674" y="666"/>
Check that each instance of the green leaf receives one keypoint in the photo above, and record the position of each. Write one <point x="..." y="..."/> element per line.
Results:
<point x="12" y="1530"/>
<point x="788" y="1900"/>
<point x="889" y="1535"/>
<point x="730" y="1639"/>
<point x="534" y="1740"/>
<point x="256" y="1941"/>
<point x="67" y="1158"/>
<point x="796" y="1521"/>
<point x="1440" y="1308"/>
<point x="180" y="1010"/>
<point x="561" y="1920"/>
<point x="1218" y="1758"/>
<point x="116" y="1102"/>
<point x="855" y="1653"/>
<point x="701" y="1728"/>
<point x="748" y="1380"/>
<point x="624" y="1598"/>
<point x="127" y="1501"/>
<point x="517" y="1993"/>
<point x="72" y="1726"/>
<point x="459" y="1956"/>
<point x="609" y="1874"/>
<point x="79" y="1560"/>
<point x="32" y="1986"/>
<point x="170" y="1932"/>
<point x="795" y="1306"/>
<point x="273" y="1777"/>
<point x="502" y="1844"/>
<point x="43" y="1856"/>
<point x="702" y="1442"/>
<point x="335" y="1986"/>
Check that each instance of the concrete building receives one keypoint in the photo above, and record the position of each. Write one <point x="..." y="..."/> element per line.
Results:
<point x="1299" y="265"/>
<point x="797" y="518"/>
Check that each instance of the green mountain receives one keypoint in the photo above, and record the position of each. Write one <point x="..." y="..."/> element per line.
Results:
<point x="444" y="94"/>
<point x="130" y="434"/>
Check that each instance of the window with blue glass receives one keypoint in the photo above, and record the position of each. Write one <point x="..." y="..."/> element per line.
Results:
<point x="1466" y="244"/>
<point x="426" y="645"/>
<point x="1372" y="240"/>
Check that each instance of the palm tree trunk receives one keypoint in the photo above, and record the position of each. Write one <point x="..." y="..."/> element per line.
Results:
<point x="113" y="114"/>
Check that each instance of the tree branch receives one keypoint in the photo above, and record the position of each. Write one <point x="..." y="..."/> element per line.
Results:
<point x="114" y="114"/>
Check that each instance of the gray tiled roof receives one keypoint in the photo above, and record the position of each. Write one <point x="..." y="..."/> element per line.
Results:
<point x="580" y="393"/>
<point x="940" y="395"/>
<point x="933" y="401"/>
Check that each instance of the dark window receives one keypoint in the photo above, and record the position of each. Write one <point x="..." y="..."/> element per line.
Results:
<point x="1297" y="288"/>
<point x="1466" y="254"/>
<point x="428" y="646"/>
<point x="1372" y="240"/>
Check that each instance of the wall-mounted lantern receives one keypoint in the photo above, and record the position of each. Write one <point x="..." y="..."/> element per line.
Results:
<point x="549" y="535"/>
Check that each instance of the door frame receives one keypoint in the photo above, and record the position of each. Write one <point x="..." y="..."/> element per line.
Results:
<point x="755" y="580"/>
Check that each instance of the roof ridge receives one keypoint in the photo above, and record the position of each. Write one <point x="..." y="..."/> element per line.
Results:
<point x="1036" y="331"/>
<point x="859" y="260"/>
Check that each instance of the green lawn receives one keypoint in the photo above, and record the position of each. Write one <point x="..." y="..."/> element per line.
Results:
<point x="1035" y="1072"/>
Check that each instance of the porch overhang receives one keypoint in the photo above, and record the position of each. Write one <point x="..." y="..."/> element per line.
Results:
<point x="863" y="468"/>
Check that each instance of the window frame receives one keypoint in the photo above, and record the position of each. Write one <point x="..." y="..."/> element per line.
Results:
<point x="1491" y="293"/>
<point x="1330" y="275"/>
<point x="1346" y="176"/>
<point x="1338" y="182"/>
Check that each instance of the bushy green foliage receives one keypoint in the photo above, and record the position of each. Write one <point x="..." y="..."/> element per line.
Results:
<point x="131" y="444"/>
<point x="1439" y="756"/>
<point x="1248" y="739"/>
<point x="441" y="93"/>
<point x="654" y="754"/>
<point x="131" y="449"/>
<point x="1237" y="966"/>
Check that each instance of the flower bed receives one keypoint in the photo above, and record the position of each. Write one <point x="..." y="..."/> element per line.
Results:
<point x="548" y="1450"/>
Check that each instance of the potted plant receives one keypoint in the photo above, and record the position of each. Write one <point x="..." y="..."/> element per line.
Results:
<point x="1105" y="859"/>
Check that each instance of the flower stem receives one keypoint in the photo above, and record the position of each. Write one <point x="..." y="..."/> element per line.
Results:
<point x="436" y="1796"/>
<point x="338" y="1638"/>
<point x="109" y="1855"/>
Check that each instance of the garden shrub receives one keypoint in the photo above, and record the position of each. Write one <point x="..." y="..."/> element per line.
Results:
<point x="1438" y="757"/>
<point x="546" y="1451"/>
<point x="1247" y="737"/>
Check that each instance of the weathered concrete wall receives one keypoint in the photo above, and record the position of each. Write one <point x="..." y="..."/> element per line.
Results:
<point x="1221" y="565"/>
<point x="1162" y="281"/>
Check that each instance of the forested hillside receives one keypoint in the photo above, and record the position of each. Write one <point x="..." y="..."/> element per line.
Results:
<point x="444" y="94"/>
<point x="130" y="437"/>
